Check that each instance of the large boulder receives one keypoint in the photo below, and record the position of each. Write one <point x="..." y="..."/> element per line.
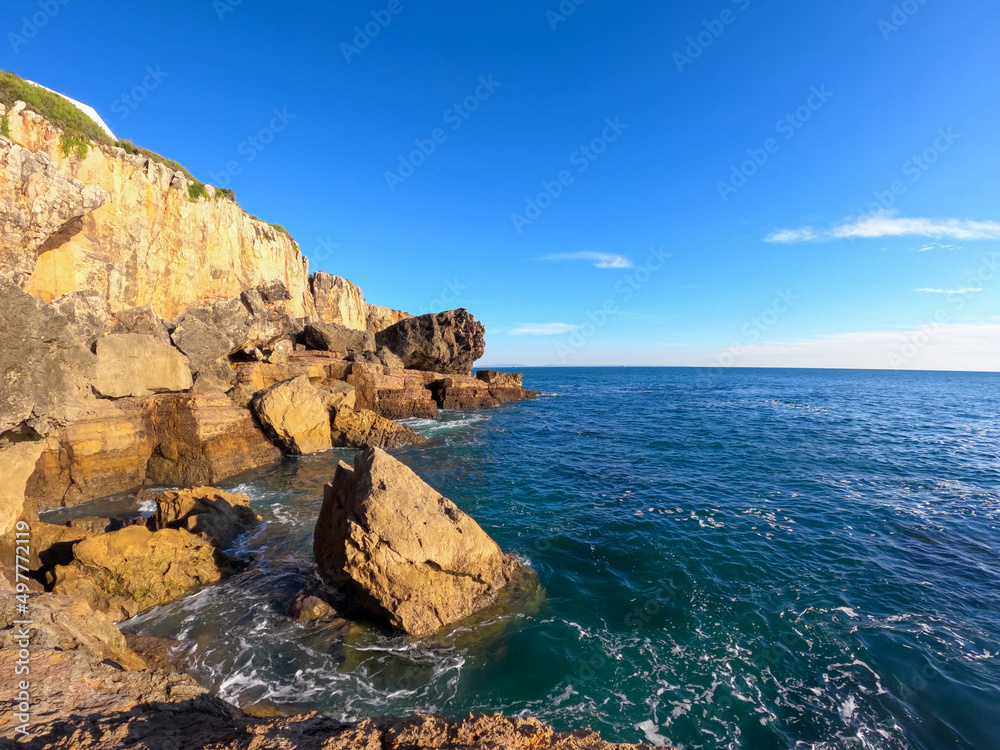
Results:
<point x="333" y="337"/>
<point x="409" y="554"/>
<point x="379" y="318"/>
<point x="339" y="301"/>
<point x="45" y="372"/>
<point x="133" y="364"/>
<point x="144" y="320"/>
<point x="205" y="346"/>
<point x="366" y="429"/>
<point x="87" y="314"/>
<point x="129" y="571"/>
<point x="447" y="342"/>
<point x="216" y="516"/>
<point x="294" y="414"/>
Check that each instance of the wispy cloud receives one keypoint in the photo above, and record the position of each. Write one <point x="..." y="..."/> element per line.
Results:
<point x="542" y="329"/>
<point x="967" y="290"/>
<point x="788" y="236"/>
<point x="600" y="260"/>
<point x="888" y="224"/>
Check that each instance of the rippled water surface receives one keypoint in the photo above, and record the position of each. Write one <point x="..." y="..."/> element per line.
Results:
<point x="745" y="559"/>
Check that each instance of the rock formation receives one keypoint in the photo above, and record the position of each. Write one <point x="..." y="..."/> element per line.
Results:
<point x="408" y="553"/>
<point x="126" y="227"/>
<point x="217" y="517"/>
<point x="131" y="364"/>
<point x="339" y="301"/>
<point x="128" y="571"/>
<point x="447" y="342"/>
<point x="366" y="429"/>
<point x="380" y="318"/>
<point x="331" y="337"/>
<point x="294" y="414"/>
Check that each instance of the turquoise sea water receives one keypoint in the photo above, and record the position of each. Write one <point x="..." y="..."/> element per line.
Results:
<point x="738" y="559"/>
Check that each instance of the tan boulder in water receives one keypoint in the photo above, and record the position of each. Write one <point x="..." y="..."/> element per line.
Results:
<point x="216" y="516"/>
<point x="366" y="429"/>
<point x="409" y="554"/>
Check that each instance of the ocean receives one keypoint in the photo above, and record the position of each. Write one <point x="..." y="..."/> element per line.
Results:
<point x="730" y="559"/>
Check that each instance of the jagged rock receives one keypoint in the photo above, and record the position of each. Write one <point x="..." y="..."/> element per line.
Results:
<point x="294" y="415"/>
<point x="409" y="554"/>
<point x="101" y="454"/>
<point x="495" y="388"/>
<point x="505" y="379"/>
<point x="142" y="320"/>
<point x="332" y="337"/>
<point x="366" y="429"/>
<point x="18" y="459"/>
<point x="216" y="516"/>
<point x="45" y="373"/>
<point x="131" y="364"/>
<point x="205" y="346"/>
<point x="175" y="440"/>
<point x="280" y="352"/>
<point x="337" y="394"/>
<point x="447" y="342"/>
<point x="60" y="623"/>
<point x="251" y="377"/>
<point x="87" y="314"/>
<point x="339" y="301"/>
<point x="128" y="571"/>
<point x="395" y="394"/>
<point x="307" y="608"/>
<point x="51" y="545"/>
<point x="40" y="206"/>
<point x="379" y="318"/>
<point x="388" y="359"/>
<point x="201" y="439"/>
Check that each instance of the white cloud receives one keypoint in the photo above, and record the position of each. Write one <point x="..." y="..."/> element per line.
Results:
<point x="542" y="329"/>
<point x="935" y="346"/>
<point x="788" y="236"/>
<point x="888" y="224"/>
<point x="600" y="260"/>
<point x="967" y="290"/>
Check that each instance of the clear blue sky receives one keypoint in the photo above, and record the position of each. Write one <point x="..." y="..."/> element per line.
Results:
<point x="792" y="267"/>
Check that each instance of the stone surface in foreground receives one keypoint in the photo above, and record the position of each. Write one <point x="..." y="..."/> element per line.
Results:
<point x="409" y="554"/>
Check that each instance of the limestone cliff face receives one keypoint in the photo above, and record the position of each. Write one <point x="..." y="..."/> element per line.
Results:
<point x="125" y="227"/>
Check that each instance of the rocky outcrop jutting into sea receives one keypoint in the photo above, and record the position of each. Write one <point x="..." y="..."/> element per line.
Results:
<point x="409" y="554"/>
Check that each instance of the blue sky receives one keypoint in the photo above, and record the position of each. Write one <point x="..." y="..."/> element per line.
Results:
<point x="735" y="182"/>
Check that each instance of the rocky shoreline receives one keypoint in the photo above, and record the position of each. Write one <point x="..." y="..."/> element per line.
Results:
<point x="154" y="334"/>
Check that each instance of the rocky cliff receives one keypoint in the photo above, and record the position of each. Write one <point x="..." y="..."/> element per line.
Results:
<point x="127" y="227"/>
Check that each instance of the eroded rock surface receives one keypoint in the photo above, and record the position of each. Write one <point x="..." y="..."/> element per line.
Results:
<point x="133" y="364"/>
<point x="447" y="342"/>
<point x="294" y="414"/>
<point x="366" y="429"/>
<point x="216" y="516"/>
<point x="408" y="553"/>
<point x="339" y="301"/>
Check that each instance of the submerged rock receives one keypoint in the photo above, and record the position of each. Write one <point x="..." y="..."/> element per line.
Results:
<point x="128" y="571"/>
<point x="307" y="608"/>
<point x="294" y="414"/>
<point x="409" y="554"/>
<point x="447" y="342"/>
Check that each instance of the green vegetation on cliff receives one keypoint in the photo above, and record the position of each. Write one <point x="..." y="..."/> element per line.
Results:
<point x="79" y="130"/>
